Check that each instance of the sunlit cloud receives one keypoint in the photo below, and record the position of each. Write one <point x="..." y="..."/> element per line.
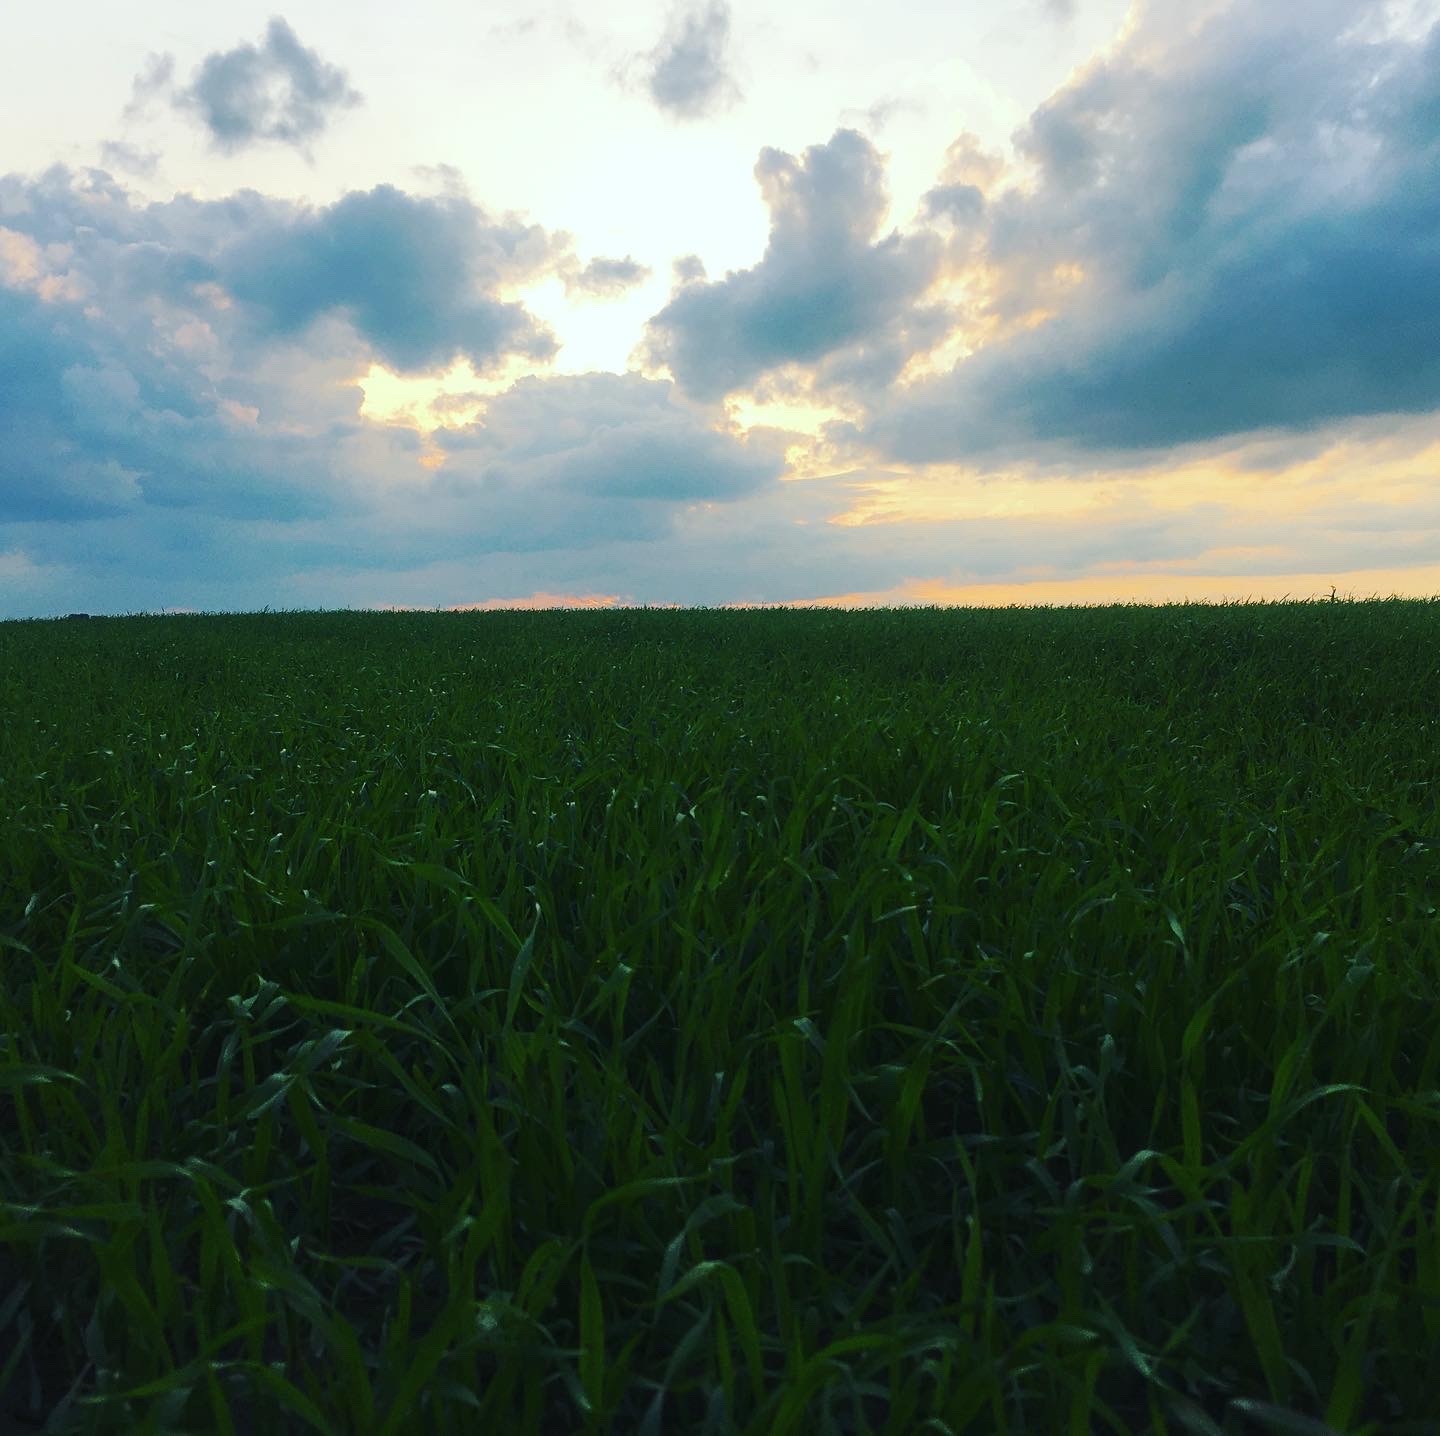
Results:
<point x="41" y="271"/>
<point x="798" y="414"/>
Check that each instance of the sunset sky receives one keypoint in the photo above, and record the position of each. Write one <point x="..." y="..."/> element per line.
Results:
<point x="443" y="305"/>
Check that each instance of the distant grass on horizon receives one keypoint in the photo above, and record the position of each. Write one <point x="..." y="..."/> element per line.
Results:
<point x="695" y="1021"/>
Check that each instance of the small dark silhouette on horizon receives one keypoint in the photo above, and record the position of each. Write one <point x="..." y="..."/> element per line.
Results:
<point x="77" y="615"/>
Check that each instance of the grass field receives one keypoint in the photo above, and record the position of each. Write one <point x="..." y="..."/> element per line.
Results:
<point x="703" y="1022"/>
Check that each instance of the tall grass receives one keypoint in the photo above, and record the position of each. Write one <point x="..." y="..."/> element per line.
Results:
<point x="697" y="1022"/>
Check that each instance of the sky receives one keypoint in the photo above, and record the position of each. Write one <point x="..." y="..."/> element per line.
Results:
<point x="529" y="305"/>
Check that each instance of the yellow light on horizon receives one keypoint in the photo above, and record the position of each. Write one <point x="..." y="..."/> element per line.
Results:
<point x="1144" y="588"/>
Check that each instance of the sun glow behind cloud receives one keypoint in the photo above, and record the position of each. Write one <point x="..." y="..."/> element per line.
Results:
<point x="596" y="336"/>
<point x="799" y="415"/>
<point x="430" y="401"/>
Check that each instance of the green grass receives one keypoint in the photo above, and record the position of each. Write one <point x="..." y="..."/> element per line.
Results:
<point x="701" y="1022"/>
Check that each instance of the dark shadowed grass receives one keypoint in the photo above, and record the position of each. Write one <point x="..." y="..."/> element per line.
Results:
<point x="773" y="1022"/>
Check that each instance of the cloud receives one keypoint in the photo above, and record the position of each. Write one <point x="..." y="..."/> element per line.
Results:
<point x="18" y="569"/>
<point x="879" y="115"/>
<point x="447" y="179"/>
<point x="277" y="91"/>
<point x="92" y="427"/>
<point x="969" y="173"/>
<point x="967" y="161"/>
<point x="573" y="459"/>
<point x="826" y="285"/>
<point x="416" y="276"/>
<point x="687" y="74"/>
<point x="962" y="204"/>
<point x="605" y="278"/>
<point x="687" y="269"/>
<point x="119" y="155"/>
<point x="1229" y="228"/>
<point x="156" y="79"/>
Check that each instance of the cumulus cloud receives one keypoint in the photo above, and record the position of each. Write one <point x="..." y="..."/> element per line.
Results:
<point x="828" y="283"/>
<point x="687" y="74"/>
<point x="415" y="275"/>
<point x="606" y="456"/>
<point x="1242" y="211"/>
<point x="605" y="278"/>
<point x="277" y="91"/>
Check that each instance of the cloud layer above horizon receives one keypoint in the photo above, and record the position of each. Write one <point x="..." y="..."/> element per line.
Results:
<point x="1204" y="272"/>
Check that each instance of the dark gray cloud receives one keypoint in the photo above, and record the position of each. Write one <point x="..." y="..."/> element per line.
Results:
<point x="828" y="282"/>
<point x="277" y="91"/>
<point x="415" y="275"/>
<point x="1253" y="207"/>
<point x="606" y="278"/>
<point x="687" y="74"/>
